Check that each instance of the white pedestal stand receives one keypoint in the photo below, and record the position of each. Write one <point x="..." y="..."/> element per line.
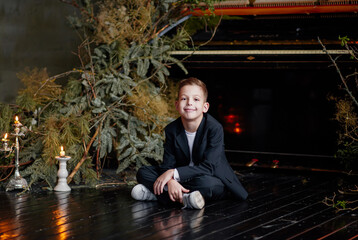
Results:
<point x="62" y="174"/>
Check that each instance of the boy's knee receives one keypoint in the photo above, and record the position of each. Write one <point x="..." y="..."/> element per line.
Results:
<point x="141" y="173"/>
<point x="146" y="173"/>
<point x="208" y="181"/>
<point x="211" y="188"/>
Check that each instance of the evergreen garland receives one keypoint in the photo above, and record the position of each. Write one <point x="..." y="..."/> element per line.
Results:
<point x="115" y="105"/>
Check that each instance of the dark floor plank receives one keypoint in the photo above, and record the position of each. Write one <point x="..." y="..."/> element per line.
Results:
<point x="100" y="210"/>
<point x="279" y="206"/>
<point x="255" y="215"/>
<point x="333" y="224"/>
<point x="306" y="224"/>
<point x="227" y="207"/>
<point x="220" y="216"/>
<point x="146" y="224"/>
<point x="50" y="215"/>
<point x="348" y="230"/>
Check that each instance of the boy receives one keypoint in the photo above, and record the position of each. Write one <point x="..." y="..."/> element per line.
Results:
<point x="194" y="165"/>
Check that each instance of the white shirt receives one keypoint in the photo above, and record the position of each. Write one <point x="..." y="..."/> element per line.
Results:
<point x="191" y="137"/>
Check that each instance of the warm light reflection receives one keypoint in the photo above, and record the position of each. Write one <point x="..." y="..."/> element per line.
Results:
<point x="61" y="214"/>
<point x="275" y="164"/>
<point x="60" y="222"/>
<point x="11" y="226"/>
<point x="252" y="162"/>
<point x="7" y="227"/>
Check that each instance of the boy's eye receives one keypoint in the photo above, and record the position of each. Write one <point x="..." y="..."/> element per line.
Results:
<point x="183" y="98"/>
<point x="196" y="99"/>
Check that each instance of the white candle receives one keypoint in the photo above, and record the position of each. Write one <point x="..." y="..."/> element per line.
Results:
<point x="62" y="152"/>
<point x="5" y="138"/>
<point x="17" y="120"/>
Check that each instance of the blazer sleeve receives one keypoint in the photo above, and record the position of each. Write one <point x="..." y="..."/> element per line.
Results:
<point x="213" y="155"/>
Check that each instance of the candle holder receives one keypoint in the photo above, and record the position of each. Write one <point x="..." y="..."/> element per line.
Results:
<point x="17" y="182"/>
<point x="62" y="174"/>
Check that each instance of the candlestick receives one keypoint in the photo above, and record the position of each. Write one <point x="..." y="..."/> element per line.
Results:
<point x="62" y="174"/>
<point x="17" y="182"/>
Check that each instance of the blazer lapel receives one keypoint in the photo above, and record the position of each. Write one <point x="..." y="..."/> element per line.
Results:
<point x="183" y="142"/>
<point x="198" y="140"/>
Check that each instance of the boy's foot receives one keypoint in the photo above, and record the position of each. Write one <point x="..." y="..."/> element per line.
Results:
<point x="141" y="193"/>
<point x="193" y="200"/>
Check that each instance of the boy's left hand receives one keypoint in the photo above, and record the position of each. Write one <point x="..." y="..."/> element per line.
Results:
<point x="162" y="181"/>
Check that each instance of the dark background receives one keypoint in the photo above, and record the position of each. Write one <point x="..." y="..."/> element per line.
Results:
<point x="279" y="102"/>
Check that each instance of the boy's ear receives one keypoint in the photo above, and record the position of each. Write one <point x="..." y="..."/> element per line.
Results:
<point x="206" y="107"/>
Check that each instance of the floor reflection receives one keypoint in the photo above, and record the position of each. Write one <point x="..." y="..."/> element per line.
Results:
<point x="169" y="224"/>
<point x="10" y="226"/>
<point x="61" y="214"/>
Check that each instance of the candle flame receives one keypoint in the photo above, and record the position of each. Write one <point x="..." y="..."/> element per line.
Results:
<point x="61" y="148"/>
<point x="16" y="118"/>
<point x="5" y="136"/>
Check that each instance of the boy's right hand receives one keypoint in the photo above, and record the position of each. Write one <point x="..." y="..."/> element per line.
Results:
<point x="162" y="180"/>
<point x="176" y="190"/>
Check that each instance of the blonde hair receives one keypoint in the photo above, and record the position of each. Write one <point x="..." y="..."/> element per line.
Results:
<point x="194" y="81"/>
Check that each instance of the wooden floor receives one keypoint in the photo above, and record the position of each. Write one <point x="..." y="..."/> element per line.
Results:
<point x="280" y="206"/>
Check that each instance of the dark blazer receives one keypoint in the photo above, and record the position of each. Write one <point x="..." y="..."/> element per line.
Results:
<point x="208" y="154"/>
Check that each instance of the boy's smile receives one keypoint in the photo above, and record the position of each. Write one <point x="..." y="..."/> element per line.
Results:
<point x="191" y="103"/>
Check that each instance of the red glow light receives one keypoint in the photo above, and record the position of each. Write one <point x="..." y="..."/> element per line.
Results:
<point x="237" y="130"/>
<point x="231" y="123"/>
<point x="231" y="118"/>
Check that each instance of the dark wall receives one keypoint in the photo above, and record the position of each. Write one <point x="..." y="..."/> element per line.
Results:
<point x="278" y="110"/>
<point x="34" y="33"/>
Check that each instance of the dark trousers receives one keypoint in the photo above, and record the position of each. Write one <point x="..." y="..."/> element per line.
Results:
<point x="211" y="188"/>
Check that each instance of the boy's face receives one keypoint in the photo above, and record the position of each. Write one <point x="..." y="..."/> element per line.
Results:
<point x="191" y="103"/>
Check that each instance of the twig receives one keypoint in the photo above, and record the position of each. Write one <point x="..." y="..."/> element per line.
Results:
<point x="339" y="205"/>
<point x="54" y="77"/>
<point x="212" y="35"/>
<point x="109" y="184"/>
<point x="339" y="73"/>
<point x="8" y="175"/>
<point x="205" y="43"/>
<point x="79" y="164"/>
<point x="98" y="152"/>
<point x="73" y="3"/>
<point x="20" y="164"/>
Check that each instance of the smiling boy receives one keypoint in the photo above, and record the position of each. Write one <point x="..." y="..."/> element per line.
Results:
<point x="194" y="167"/>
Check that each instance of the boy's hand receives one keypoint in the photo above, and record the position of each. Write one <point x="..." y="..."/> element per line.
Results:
<point x="162" y="181"/>
<point x="175" y="191"/>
